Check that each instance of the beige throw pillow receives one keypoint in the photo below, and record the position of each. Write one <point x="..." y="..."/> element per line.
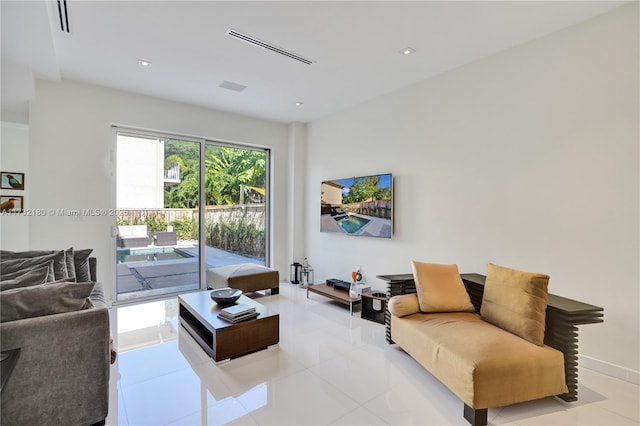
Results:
<point x="516" y="301"/>
<point x="403" y="305"/>
<point x="440" y="288"/>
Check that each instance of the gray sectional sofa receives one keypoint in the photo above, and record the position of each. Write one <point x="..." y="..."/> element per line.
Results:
<point x="61" y="374"/>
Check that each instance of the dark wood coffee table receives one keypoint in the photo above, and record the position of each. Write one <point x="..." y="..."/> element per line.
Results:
<point x="223" y="340"/>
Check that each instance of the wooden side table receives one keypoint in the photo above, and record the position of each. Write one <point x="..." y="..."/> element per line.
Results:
<point x="339" y="296"/>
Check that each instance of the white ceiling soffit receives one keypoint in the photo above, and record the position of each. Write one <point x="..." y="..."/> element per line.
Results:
<point x="353" y="45"/>
<point x="27" y="51"/>
<point x="27" y="38"/>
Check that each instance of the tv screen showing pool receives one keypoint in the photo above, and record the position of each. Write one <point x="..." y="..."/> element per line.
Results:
<point x="360" y="206"/>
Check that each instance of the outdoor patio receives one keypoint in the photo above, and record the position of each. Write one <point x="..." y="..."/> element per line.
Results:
<point x="144" y="278"/>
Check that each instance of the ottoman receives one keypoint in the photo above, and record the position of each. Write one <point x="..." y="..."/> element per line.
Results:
<point x="247" y="277"/>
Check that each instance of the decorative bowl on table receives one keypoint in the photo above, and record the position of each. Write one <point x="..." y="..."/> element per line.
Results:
<point x="225" y="296"/>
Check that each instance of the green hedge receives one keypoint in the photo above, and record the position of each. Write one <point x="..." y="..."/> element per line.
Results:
<point x="238" y="235"/>
<point x="237" y="232"/>
<point x="185" y="229"/>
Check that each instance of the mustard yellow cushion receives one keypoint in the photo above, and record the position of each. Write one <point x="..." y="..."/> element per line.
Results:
<point x="404" y="304"/>
<point x="516" y="301"/>
<point x="484" y="365"/>
<point x="440" y="288"/>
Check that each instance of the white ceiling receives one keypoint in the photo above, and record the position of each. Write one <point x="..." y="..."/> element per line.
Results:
<point x="354" y="45"/>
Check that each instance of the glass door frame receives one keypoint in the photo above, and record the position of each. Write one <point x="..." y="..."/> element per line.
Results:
<point x="203" y="143"/>
<point x="267" y="184"/>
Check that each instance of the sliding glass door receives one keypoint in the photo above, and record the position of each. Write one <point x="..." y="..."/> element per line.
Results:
<point x="158" y="189"/>
<point x="236" y="182"/>
<point x="163" y="234"/>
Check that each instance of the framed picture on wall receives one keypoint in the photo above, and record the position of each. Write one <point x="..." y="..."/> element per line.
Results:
<point x="11" y="203"/>
<point x="12" y="180"/>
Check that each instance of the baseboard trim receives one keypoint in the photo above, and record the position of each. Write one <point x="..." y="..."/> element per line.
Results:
<point x="613" y="370"/>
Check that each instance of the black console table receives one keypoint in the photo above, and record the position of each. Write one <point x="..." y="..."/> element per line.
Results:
<point x="562" y="318"/>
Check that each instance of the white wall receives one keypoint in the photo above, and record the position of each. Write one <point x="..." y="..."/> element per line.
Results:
<point x="72" y="148"/>
<point x="14" y="157"/>
<point x="297" y="178"/>
<point x="331" y="194"/>
<point x="527" y="159"/>
<point x="140" y="171"/>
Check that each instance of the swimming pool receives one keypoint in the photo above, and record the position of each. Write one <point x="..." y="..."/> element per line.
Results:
<point x="148" y="254"/>
<point x="351" y="224"/>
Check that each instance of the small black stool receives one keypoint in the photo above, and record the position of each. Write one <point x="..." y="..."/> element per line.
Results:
<point x="369" y="311"/>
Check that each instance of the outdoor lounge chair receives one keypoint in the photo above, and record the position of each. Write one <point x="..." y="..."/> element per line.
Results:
<point x="133" y="236"/>
<point x="166" y="238"/>
<point x="337" y="211"/>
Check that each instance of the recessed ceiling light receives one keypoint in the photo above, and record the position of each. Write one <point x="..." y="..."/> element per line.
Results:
<point x="144" y="63"/>
<point x="299" y="103"/>
<point x="407" y="51"/>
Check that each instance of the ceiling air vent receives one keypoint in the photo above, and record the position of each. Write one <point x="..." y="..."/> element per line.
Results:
<point x="236" y="87"/>
<point x="264" y="45"/>
<point x="63" y="15"/>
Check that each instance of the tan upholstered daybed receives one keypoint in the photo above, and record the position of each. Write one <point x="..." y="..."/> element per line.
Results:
<point x="488" y="359"/>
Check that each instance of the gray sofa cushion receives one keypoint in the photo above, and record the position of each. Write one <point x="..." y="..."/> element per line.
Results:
<point x="62" y="375"/>
<point x="32" y="257"/>
<point x="71" y="268"/>
<point x="65" y="263"/>
<point x="81" y="263"/>
<point x="97" y="296"/>
<point x="15" y="274"/>
<point x="35" y="276"/>
<point x="45" y="299"/>
<point x="19" y="265"/>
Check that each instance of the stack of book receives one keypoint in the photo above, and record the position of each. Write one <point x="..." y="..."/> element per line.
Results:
<point x="237" y="313"/>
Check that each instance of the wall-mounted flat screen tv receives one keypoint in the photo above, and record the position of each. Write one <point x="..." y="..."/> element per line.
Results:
<point x="360" y="206"/>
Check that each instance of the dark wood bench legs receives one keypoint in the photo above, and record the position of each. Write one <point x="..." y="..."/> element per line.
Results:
<point x="274" y="290"/>
<point x="475" y="417"/>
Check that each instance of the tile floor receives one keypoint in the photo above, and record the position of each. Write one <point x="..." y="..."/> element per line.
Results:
<point x="330" y="368"/>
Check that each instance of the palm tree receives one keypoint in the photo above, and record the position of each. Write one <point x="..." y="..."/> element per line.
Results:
<point x="229" y="169"/>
